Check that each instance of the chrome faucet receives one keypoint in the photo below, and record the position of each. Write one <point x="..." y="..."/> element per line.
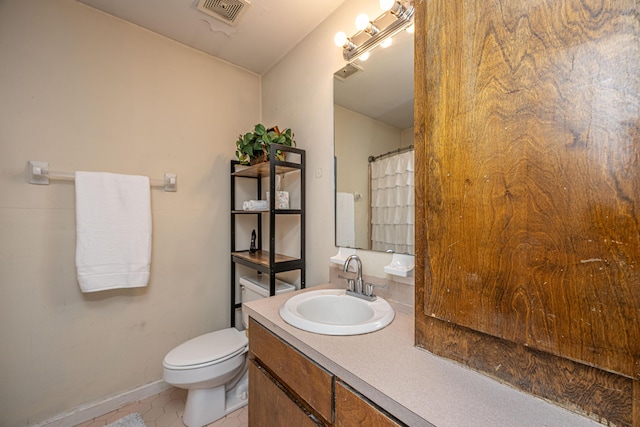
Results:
<point x="357" y="288"/>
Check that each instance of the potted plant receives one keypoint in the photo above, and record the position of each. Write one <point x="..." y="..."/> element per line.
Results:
<point x="253" y="147"/>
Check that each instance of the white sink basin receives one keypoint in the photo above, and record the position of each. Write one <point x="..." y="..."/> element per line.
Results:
<point x="332" y="312"/>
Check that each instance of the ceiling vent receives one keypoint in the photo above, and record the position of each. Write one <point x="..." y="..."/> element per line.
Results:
<point x="227" y="11"/>
<point x="347" y="71"/>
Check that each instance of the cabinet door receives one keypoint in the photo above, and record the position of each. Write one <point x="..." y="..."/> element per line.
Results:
<point x="302" y="376"/>
<point x="270" y="406"/>
<point x="353" y="410"/>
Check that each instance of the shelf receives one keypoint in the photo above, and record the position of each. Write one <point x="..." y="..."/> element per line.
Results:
<point x="260" y="260"/>
<point x="242" y="211"/>
<point x="288" y="212"/>
<point x="277" y="212"/>
<point x="262" y="257"/>
<point x="262" y="170"/>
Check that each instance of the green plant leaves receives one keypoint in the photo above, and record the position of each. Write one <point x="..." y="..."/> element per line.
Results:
<point x="254" y="144"/>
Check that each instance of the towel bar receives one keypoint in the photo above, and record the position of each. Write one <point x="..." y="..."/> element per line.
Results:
<point x="39" y="174"/>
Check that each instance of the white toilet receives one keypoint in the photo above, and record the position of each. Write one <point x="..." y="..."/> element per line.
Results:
<point x="213" y="366"/>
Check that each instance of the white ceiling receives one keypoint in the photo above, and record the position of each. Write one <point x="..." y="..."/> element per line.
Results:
<point x="266" y="32"/>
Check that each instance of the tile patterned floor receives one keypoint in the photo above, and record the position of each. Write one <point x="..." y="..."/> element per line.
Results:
<point x="165" y="410"/>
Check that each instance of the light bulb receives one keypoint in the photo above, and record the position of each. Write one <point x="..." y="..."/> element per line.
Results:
<point x="362" y="21"/>
<point x="411" y="28"/>
<point x="387" y="4"/>
<point x="364" y="56"/>
<point x="386" y="42"/>
<point x="340" y="39"/>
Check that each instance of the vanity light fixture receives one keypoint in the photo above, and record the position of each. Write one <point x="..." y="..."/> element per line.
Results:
<point x="397" y="16"/>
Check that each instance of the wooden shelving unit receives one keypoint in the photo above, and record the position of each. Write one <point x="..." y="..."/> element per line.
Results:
<point x="266" y="260"/>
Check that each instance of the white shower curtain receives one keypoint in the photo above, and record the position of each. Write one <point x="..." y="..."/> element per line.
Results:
<point x="392" y="204"/>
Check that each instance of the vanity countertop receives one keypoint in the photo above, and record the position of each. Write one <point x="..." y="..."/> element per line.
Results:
<point x="410" y="383"/>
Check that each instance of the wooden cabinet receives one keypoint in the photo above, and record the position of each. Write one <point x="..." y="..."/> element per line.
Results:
<point x="271" y="405"/>
<point x="527" y="196"/>
<point x="353" y="410"/>
<point x="266" y="260"/>
<point x="303" y="377"/>
<point x="288" y="388"/>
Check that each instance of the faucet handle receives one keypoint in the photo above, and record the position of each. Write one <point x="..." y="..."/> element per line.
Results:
<point x="350" y="282"/>
<point x="368" y="288"/>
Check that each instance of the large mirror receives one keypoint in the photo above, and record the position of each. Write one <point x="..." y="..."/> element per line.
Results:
<point x="373" y="122"/>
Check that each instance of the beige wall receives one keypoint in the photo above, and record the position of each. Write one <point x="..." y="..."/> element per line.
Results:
<point x="407" y="137"/>
<point x="85" y="91"/>
<point x="298" y="92"/>
<point x="357" y="137"/>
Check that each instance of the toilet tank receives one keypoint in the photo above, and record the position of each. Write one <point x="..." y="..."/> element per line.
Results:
<point x="256" y="287"/>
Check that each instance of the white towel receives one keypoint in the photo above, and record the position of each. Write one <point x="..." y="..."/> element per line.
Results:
<point x="113" y="231"/>
<point x="255" y="205"/>
<point x="345" y="220"/>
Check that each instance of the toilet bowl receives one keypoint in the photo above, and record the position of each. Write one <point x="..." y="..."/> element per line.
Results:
<point x="213" y="366"/>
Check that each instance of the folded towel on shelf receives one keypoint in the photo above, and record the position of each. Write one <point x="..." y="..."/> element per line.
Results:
<point x="113" y="231"/>
<point x="255" y="205"/>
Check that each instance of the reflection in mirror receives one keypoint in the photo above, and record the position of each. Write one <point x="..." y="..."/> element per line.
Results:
<point x="373" y="119"/>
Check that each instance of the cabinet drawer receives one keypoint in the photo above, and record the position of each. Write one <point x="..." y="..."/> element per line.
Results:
<point x="270" y="406"/>
<point x="304" y="378"/>
<point x="354" y="410"/>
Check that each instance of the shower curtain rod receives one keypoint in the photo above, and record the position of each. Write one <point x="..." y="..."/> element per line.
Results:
<point x="390" y="153"/>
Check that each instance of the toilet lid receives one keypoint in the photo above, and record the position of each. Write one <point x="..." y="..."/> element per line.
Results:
<point x="207" y="348"/>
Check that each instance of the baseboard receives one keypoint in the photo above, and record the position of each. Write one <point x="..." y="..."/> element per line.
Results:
<point x="91" y="410"/>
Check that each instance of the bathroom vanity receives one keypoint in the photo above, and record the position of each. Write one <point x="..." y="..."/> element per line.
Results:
<point x="288" y="388"/>
<point x="376" y="379"/>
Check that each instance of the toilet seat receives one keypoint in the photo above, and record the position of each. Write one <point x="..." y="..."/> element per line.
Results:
<point x="207" y="349"/>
